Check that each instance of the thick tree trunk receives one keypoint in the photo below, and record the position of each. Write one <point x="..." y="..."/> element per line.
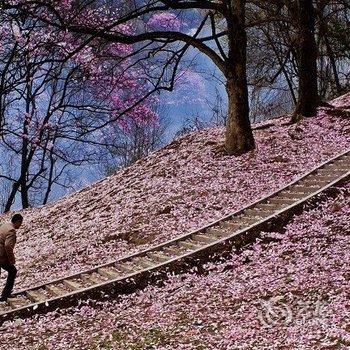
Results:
<point x="239" y="135"/>
<point x="308" y="99"/>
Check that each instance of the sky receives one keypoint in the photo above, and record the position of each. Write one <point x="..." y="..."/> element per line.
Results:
<point x="192" y="100"/>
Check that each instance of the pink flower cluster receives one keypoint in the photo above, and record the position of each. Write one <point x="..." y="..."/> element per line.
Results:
<point x="165" y="21"/>
<point x="66" y="4"/>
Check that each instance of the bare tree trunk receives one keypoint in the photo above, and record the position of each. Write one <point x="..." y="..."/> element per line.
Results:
<point x="308" y="99"/>
<point x="23" y="178"/>
<point x="24" y="194"/>
<point x="50" y="179"/>
<point x="11" y="197"/>
<point x="282" y="64"/>
<point x="324" y="34"/>
<point x="239" y="135"/>
<point x="25" y="161"/>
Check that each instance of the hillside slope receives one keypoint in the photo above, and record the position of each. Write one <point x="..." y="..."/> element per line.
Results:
<point x="287" y="291"/>
<point x="176" y="189"/>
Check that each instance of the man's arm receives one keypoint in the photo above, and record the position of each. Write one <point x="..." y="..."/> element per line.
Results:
<point x="10" y="242"/>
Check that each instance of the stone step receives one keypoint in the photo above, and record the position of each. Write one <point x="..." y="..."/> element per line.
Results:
<point x="55" y="290"/>
<point x="343" y="168"/>
<point x="266" y="207"/>
<point x="231" y="225"/>
<point x="126" y="267"/>
<point x="308" y="189"/>
<point x="174" y="250"/>
<point x="218" y="232"/>
<point x="92" y="278"/>
<point x="159" y="256"/>
<point x="282" y="201"/>
<point x="334" y="172"/>
<point x="316" y="183"/>
<point x="189" y="245"/>
<point x="4" y="307"/>
<point x="329" y="171"/>
<point x="297" y="195"/>
<point x="16" y="303"/>
<point x="321" y="177"/>
<point x="108" y="272"/>
<point x="244" y="224"/>
<point x="145" y="263"/>
<point x="245" y="220"/>
<point x="36" y="296"/>
<point x="203" y="238"/>
<point x="258" y="215"/>
<point x="72" y="285"/>
<point x="344" y="162"/>
<point x="337" y="172"/>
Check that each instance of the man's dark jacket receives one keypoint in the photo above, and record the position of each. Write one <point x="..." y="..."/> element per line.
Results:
<point x="7" y="244"/>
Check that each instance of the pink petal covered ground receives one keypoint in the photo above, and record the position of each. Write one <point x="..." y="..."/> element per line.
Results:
<point x="177" y="189"/>
<point x="342" y="101"/>
<point x="286" y="291"/>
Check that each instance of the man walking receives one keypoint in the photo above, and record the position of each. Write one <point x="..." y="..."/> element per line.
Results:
<point x="7" y="257"/>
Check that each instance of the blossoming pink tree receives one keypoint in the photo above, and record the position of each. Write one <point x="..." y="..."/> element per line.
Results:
<point x="159" y="37"/>
<point x="56" y="95"/>
<point x="162" y="31"/>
